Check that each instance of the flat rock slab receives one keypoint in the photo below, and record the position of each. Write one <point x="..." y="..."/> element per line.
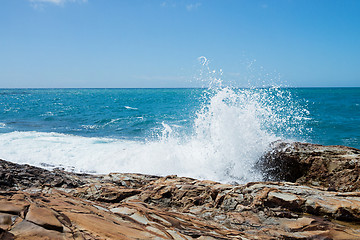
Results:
<point x="43" y="217"/>
<point x="8" y="207"/>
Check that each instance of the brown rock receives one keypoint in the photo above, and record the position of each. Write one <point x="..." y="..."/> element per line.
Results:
<point x="297" y="224"/>
<point x="29" y="230"/>
<point x="8" y="207"/>
<point x="287" y="200"/>
<point x="5" y="235"/>
<point x="136" y="206"/>
<point x="7" y="220"/>
<point x="44" y="217"/>
<point x="333" y="167"/>
<point x="105" y="192"/>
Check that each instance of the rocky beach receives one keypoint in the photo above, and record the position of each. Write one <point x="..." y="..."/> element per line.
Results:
<point x="311" y="192"/>
<point x="179" y="119"/>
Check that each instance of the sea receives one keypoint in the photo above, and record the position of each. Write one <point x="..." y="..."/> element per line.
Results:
<point x="216" y="133"/>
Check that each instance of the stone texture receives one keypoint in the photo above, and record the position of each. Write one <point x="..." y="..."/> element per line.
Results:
<point x="38" y="204"/>
<point x="334" y="167"/>
<point x="15" y="176"/>
<point x="43" y="217"/>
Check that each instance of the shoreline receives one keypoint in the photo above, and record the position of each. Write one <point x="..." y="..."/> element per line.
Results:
<point x="312" y="192"/>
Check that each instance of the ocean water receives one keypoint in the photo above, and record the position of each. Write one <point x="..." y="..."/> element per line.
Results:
<point x="217" y="133"/>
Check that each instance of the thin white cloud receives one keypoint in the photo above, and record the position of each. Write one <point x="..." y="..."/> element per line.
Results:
<point x="40" y="4"/>
<point x="57" y="2"/>
<point x="194" y="6"/>
<point x="180" y="4"/>
<point x="168" y="3"/>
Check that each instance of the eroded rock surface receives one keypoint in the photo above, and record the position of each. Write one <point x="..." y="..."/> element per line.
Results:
<point x="40" y="204"/>
<point x="333" y="167"/>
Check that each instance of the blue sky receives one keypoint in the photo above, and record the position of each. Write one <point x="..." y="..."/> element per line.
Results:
<point x="157" y="43"/>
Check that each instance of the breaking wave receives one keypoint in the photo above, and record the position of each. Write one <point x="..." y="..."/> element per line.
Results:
<point x="230" y="131"/>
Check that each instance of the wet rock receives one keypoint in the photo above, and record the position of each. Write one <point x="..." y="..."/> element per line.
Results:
<point x="336" y="168"/>
<point x="16" y="176"/>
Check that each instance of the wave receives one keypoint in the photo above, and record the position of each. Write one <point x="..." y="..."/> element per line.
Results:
<point x="230" y="132"/>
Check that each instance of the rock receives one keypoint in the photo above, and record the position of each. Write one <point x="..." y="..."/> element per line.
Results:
<point x="5" y="235"/>
<point x="105" y="192"/>
<point x="39" y="204"/>
<point x="287" y="200"/>
<point x="129" y="180"/>
<point x="43" y="217"/>
<point x="8" y="207"/>
<point x="336" y="168"/>
<point x="15" y="176"/>
<point x="29" y="230"/>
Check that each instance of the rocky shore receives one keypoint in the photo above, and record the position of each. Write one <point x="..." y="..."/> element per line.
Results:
<point x="311" y="192"/>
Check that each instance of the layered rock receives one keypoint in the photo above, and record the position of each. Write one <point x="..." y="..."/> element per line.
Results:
<point x="40" y="204"/>
<point x="333" y="167"/>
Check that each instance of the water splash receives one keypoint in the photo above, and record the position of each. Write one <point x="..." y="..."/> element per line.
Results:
<point x="230" y="131"/>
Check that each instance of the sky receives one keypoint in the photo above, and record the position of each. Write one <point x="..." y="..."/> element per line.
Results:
<point x="162" y="43"/>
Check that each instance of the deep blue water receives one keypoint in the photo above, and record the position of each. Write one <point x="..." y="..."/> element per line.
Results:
<point x="334" y="113"/>
<point x="115" y="113"/>
<point x="218" y="132"/>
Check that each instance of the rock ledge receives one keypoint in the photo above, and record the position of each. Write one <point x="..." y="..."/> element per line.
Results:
<point x="318" y="198"/>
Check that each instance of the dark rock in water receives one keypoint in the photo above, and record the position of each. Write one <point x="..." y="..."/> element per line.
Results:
<point x="334" y="167"/>
<point x="39" y="204"/>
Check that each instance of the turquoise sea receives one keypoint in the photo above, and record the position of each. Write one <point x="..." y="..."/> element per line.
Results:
<point x="213" y="134"/>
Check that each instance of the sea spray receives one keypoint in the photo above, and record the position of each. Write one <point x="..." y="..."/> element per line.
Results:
<point x="229" y="130"/>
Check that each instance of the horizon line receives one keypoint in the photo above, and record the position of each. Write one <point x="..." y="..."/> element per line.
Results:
<point x="44" y="88"/>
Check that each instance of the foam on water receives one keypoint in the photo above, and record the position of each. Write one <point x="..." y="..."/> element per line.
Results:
<point x="233" y="128"/>
<point x="132" y="108"/>
<point x="230" y="131"/>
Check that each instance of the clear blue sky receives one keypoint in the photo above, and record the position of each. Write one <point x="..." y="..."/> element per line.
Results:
<point x="156" y="43"/>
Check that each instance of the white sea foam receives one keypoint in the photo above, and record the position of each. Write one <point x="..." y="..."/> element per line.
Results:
<point x="131" y="108"/>
<point x="47" y="114"/>
<point x="230" y="132"/>
<point x="90" y="127"/>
